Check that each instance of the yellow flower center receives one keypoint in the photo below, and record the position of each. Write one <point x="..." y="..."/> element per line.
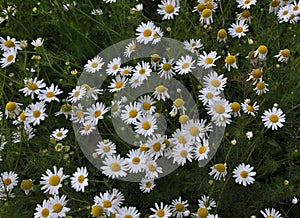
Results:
<point x="7" y="181"/>
<point x="230" y="59"/>
<point x="50" y="94"/>
<point x="246" y="14"/>
<point x="246" y="2"/>
<point x="106" y="148"/>
<point x="166" y="66"/>
<point x="160" y="213"/>
<point x="132" y="113"/>
<point x="66" y="108"/>
<point x="262" y="49"/>
<point x="126" y="72"/>
<point x="94" y="65"/>
<point x="250" y="108"/>
<point x="36" y="113"/>
<point x="220" y="109"/>
<point x="32" y="86"/>
<point x="142" y="71"/>
<point x="148" y="184"/>
<point x="269" y="217"/>
<point x="97" y="113"/>
<point x="184" y="153"/>
<point x="54" y="180"/>
<point x="76" y="94"/>
<point x="256" y="73"/>
<point x="201" y="7"/>
<point x="147" y="32"/>
<point x="151" y="167"/>
<point x="181" y="139"/>
<point x="222" y="34"/>
<point x="136" y="160"/>
<point x="81" y="178"/>
<point x="239" y="29"/>
<point x="285" y="12"/>
<point x="169" y="8"/>
<point x="57" y="207"/>
<point x="179" y="207"/>
<point x="206" y="13"/>
<point x="45" y="212"/>
<point x="22" y="116"/>
<point x="210" y="6"/>
<point x="178" y="102"/>
<point x="202" y="149"/>
<point x="161" y="88"/>
<point x="296" y="8"/>
<point x="115" y="67"/>
<point x="79" y="114"/>
<point x="9" y="43"/>
<point x="167" y="142"/>
<point x="119" y="84"/>
<point x="185" y="65"/>
<point x="128" y="216"/>
<point x="183" y="119"/>
<point x="11" y="106"/>
<point x="251" y="55"/>
<point x="244" y="174"/>
<point x="87" y="127"/>
<point x="156" y="146"/>
<point x="146" y="106"/>
<point x="209" y="95"/>
<point x="107" y="204"/>
<point x="97" y="211"/>
<point x="155" y="57"/>
<point x="115" y="108"/>
<point x="59" y="134"/>
<point x="274" y="3"/>
<point x="286" y="53"/>
<point x="220" y="168"/>
<point x="26" y="184"/>
<point x="209" y="60"/>
<point x="215" y="83"/>
<point x="115" y="167"/>
<point x="194" y="131"/>
<point x="144" y="148"/>
<point x="274" y="118"/>
<point x="202" y="212"/>
<point x="260" y="85"/>
<point x="235" y="106"/>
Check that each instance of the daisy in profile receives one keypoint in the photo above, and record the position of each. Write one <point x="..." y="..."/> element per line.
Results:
<point x="274" y="6"/>
<point x="207" y="60"/>
<point x="145" y="32"/>
<point x="114" y="166"/>
<point x="230" y="61"/>
<point x="118" y="196"/>
<point x="131" y="112"/>
<point x="165" y="68"/>
<point x="283" y="55"/>
<point x="238" y="29"/>
<point x="235" y="109"/>
<point x="79" y="179"/>
<point x="94" y="65"/>
<point x="49" y="94"/>
<point x="38" y="42"/>
<point x="214" y="81"/>
<point x="9" y="57"/>
<point x="27" y="186"/>
<point x="60" y="134"/>
<point x="161" y="211"/>
<point x="76" y="94"/>
<point x="245" y="16"/>
<point x="147" y="104"/>
<point x="222" y="35"/>
<point x="181" y="154"/>
<point x="9" y="180"/>
<point x="45" y="210"/>
<point x="10" y="44"/>
<point x="142" y="70"/>
<point x="146" y="185"/>
<point x="178" y="104"/>
<point x="117" y="84"/>
<point x="178" y="207"/>
<point x="261" y="52"/>
<point x="244" y="174"/>
<point x="128" y="212"/>
<point x="220" y="111"/>
<point x="35" y="113"/>
<point x="32" y="86"/>
<point x="256" y="75"/>
<point x="184" y="65"/>
<point x="152" y="170"/>
<point x="245" y="4"/>
<point x="106" y="148"/>
<point x="52" y="181"/>
<point x="136" y="161"/>
<point x="113" y="66"/>
<point x="206" y="202"/>
<point x="208" y="96"/>
<point x="87" y="128"/>
<point x="161" y="92"/>
<point x="97" y="210"/>
<point x="168" y="8"/>
<point x="273" y="118"/>
<point x="158" y="34"/>
<point x="271" y="212"/>
<point x="261" y="87"/>
<point x="92" y="92"/>
<point x="206" y="16"/>
<point x="248" y="108"/>
<point x="58" y="204"/>
<point x="129" y="49"/>
<point x="193" y="45"/>
<point x="200" y="150"/>
<point x="218" y="171"/>
<point x="95" y="113"/>
<point x="12" y="109"/>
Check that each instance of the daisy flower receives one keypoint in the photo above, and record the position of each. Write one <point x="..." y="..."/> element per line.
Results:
<point x="146" y="185"/>
<point x="235" y="109"/>
<point x="201" y="150"/>
<point x="214" y="81"/>
<point x="60" y="134"/>
<point x="52" y="180"/>
<point x="128" y="212"/>
<point x="206" y="202"/>
<point x="142" y="70"/>
<point x="45" y="210"/>
<point x="256" y="75"/>
<point x="10" y="44"/>
<point x="218" y="171"/>
<point x="179" y="137"/>
<point x="248" y="108"/>
<point x="129" y="49"/>
<point x="97" y="210"/>
<point x="49" y="94"/>
<point x="161" y="92"/>
<point x="136" y="161"/>
<point x="138" y="7"/>
<point x="244" y="174"/>
<point x="9" y="180"/>
<point x="207" y="60"/>
<point x="118" y="196"/>
<point x="27" y="186"/>
<point x="261" y="87"/>
<point x="32" y="86"/>
<point x="77" y="114"/>
<point x="95" y="113"/>
<point x="284" y="13"/>
<point x="195" y="130"/>
<point x="12" y="109"/>
<point x="165" y="68"/>
<point x="208" y="96"/>
<point x="245" y="16"/>
<point x="58" y="205"/>
<point x="161" y="211"/>
<point x="178" y="207"/>
<point x="283" y="55"/>
<point x="273" y="118"/>
<point x="184" y="65"/>
<point x="113" y="66"/>
<point x="115" y="108"/>
<point x="261" y="52"/>
<point x="35" y="113"/>
<point x="230" y="61"/>
<point x="206" y="16"/>
<point x="126" y="71"/>
<point x="117" y="84"/>
<point x="220" y="112"/>
<point x="106" y="148"/>
<point x="96" y="12"/>
<point x="152" y="170"/>
<point x="178" y="104"/>
<point x="145" y="125"/>
<point x="65" y="109"/>
<point x="94" y="65"/>
<point x="145" y="32"/>
<point x="107" y="201"/>
<point x="147" y="104"/>
<point x="156" y="146"/>
<point x="168" y="8"/>
<point x="245" y="4"/>
<point x="131" y="112"/>
<point x="76" y="94"/>
<point x="79" y="179"/>
<point x="222" y="35"/>
<point x="9" y="57"/>
<point x="181" y="154"/>
<point x="274" y="6"/>
<point x="271" y="212"/>
<point x="38" y="42"/>
<point x="114" y="166"/>
<point x="155" y="60"/>
<point x="92" y="92"/>
<point x="201" y="212"/>
<point x="158" y="34"/>
<point x="238" y="29"/>
<point x="193" y="45"/>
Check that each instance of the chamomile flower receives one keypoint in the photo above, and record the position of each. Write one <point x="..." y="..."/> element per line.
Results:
<point x="283" y="55"/>
<point x="65" y="109"/>
<point x="179" y="137"/>
<point x="220" y="111"/>
<point x="238" y="29"/>
<point x="178" y="207"/>
<point x="87" y="128"/>
<point x="214" y="81"/>
<point x="145" y="125"/>
<point x="206" y="202"/>
<point x="145" y="32"/>
<point x="222" y="35"/>
<point x="201" y="150"/>
<point x="60" y="134"/>
<point x="284" y="13"/>
<point x="118" y="196"/>
<point x="10" y="44"/>
<point x="273" y="118"/>
<point x="184" y="65"/>
<point x="274" y="6"/>
<point x="152" y="170"/>
<point x="117" y="84"/>
<point x="58" y="205"/>
<point x="114" y="166"/>
<point x="235" y="109"/>
<point x="77" y="114"/>
<point x="168" y="8"/>
<point x="208" y="96"/>
<point x="245" y="16"/>
<point x="106" y="148"/>
<point x="250" y="109"/>
<point x="206" y="16"/>
<point x="97" y="210"/>
<point x="95" y="113"/>
<point x="126" y="70"/>
<point x="44" y="211"/>
<point x="207" y="60"/>
<point x="165" y="68"/>
<point x="49" y="94"/>
<point x="156" y="146"/>
<point x="178" y="104"/>
<point x="35" y="113"/>
<point x="113" y="66"/>
<point x="32" y="86"/>
<point x="193" y="45"/>
<point x="271" y="212"/>
<point x="128" y="212"/>
<point x="52" y="181"/>
<point x="261" y="52"/>
<point x="107" y="201"/>
<point x="256" y="75"/>
<point x="244" y="174"/>
<point x="115" y="108"/>
<point x="76" y="94"/>
<point x="158" y="34"/>
<point x="181" y="154"/>
<point x="92" y="92"/>
<point x="79" y="179"/>
<point x="161" y="211"/>
<point x="218" y="171"/>
<point x="27" y="186"/>
<point x="129" y="49"/>
<point x="142" y="70"/>
<point x="38" y="42"/>
<point x="261" y="87"/>
<point x="195" y="130"/>
<point x="230" y="61"/>
<point x="12" y="109"/>
<point x="94" y="65"/>
<point x="96" y="11"/>
<point x="9" y="57"/>
<point x="138" y="8"/>
<point x="136" y="161"/>
<point x="9" y="180"/>
<point x="245" y="4"/>
<point x="147" y="104"/>
<point x="131" y="112"/>
<point x="161" y="92"/>
<point x="146" y="185"/>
